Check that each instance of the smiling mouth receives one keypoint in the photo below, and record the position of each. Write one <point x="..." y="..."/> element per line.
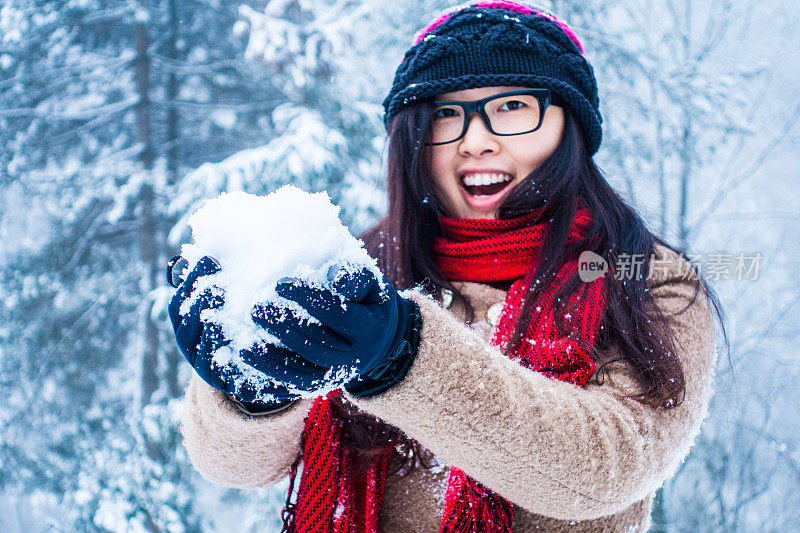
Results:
<point x="479" y="185"/>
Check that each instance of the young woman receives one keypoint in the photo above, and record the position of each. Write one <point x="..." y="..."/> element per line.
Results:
<point x="508" y="386"/>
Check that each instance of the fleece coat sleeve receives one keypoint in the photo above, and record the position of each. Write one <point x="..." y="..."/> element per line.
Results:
<point x="231" y="448"/>
<point x="545" y="445"/>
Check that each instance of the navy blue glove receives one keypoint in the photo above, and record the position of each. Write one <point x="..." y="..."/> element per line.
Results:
<point x="198" y="340"/>
<point x="376" y="331"/>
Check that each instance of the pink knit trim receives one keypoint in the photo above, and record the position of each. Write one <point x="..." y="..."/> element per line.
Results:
<point x="503" y="4"/>
<point x="513" y="6"/>
<point x="438" y="20"/>
<point x="563" y="25"/>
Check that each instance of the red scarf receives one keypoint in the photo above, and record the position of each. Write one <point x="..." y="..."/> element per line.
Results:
<point x="331" y="499"/>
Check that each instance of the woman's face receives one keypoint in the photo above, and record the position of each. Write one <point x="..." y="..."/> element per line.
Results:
<point x="480" y="153"/>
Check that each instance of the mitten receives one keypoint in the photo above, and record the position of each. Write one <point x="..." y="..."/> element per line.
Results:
<point x="198" y="339"/>
<point x="363" y="323"/>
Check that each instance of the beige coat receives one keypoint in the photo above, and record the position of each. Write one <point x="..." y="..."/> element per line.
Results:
<point x="569" y="459"/>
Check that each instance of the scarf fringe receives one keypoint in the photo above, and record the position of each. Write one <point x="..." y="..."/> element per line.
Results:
<point x="288" y="511"/>
<point x="464" y="497"/>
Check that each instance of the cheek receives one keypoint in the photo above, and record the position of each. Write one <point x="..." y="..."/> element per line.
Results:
<point x="445" y="186"/>
<point x="440" y="170"/>
<point x="529" y="155"/>
<point x="553" y="131"/>
<point x="535" y="151"/>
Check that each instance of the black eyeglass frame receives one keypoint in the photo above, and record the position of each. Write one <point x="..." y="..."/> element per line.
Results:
<point x="477" y="106"/>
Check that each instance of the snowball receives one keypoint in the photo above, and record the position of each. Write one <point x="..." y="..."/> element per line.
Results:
<point x="258" y="240"/>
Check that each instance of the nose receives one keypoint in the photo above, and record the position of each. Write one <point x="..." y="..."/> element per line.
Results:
<point x="477" y="139"/>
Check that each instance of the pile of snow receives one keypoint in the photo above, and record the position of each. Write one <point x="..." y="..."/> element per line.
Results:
<point x="258" y="240"/>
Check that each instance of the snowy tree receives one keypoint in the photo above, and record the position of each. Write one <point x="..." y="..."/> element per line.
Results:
<point x="105" y="106"/>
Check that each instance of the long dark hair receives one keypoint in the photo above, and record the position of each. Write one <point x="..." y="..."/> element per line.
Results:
<point x="402" y="244"/>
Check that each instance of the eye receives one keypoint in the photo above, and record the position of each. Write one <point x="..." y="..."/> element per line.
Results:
<point x="445" y="112"/>
<point x="513" y="105"/>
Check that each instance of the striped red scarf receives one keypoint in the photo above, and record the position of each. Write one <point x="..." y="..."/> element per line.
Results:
<point x="331" y="499"/>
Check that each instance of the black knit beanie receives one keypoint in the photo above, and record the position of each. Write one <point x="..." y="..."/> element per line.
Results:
<point x="485" y="43"/>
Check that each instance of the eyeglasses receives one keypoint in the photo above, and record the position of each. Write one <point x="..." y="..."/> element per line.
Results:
<point x="508" y="113"/>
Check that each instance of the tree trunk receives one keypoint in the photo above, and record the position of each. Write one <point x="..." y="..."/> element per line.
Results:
<point x="172" y="94"/>
<point x="173" y="357"/>
<point x="687" y="140"/>
<point x="687" y="149"/>
<point x="148" y="234"/>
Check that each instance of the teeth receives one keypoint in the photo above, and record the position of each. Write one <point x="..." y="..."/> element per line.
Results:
<point x="485" y="179"/>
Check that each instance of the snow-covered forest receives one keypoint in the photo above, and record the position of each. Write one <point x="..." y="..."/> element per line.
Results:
<point x="119" y="117"/>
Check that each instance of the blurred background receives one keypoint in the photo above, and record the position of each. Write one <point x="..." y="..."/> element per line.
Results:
<point x="119" y="117"/>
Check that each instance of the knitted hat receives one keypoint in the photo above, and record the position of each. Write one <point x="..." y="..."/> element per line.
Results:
<point x="487" y="43"/>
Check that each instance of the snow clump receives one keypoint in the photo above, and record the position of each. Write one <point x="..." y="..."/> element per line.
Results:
<point x="257" y="240"/>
